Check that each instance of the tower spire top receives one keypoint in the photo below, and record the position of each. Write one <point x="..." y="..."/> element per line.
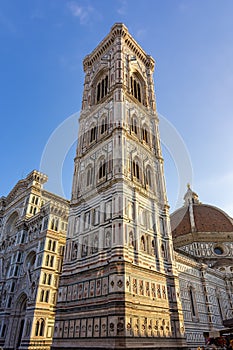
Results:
<point x="190" y="196"/>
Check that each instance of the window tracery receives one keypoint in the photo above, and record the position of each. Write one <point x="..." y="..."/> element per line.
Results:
<point x="135" y="86"/>
<point x="148" y="177"/>
<point x="89" y="176"/>
<point x="103" y="124"/>
<point x="101" y="88"/>
<point x="40" y="326"/>
<point x="102" y="168"/>
<point x="93" y="133"/>
<point x="134" y="125"/>
<point x="136" y="169"/>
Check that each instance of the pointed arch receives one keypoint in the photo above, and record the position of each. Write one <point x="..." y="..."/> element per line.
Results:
<point x="100" y="85"/>
<point x="89" y="175"/>
<point x="21" y="303"/>
<point x="148" y="177"/>
<point x="10" y="225"/>
<point x="40" y="327"/>
<point x="136" y="168"/>
<point x="93" y="133"/>
<point x="143" y="243"/>
<point x="102" y="168"/>
<point x="103" y="124"/>
<point x="145" y="134"/>
<point x="138" y="87"/>
<point x="134" y="125"/>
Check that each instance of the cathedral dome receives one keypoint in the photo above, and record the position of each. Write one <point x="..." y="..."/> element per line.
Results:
<point x="197" y="217"/>
<point x="206" y="218"/>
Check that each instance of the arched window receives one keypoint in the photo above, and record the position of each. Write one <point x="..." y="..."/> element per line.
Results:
<point x="143" y="244"/>
<point x="93" y="134"/>
<point x="108" y="239"/>
<point x="136" y="169"/>
<point x="89" y="176"/>
<point x="40" y="327"/>
<point x="103" y="125"/>
<point x="102" y="88"/>
<point x="131" y="239"/>
<point x="11" y="223"/>
<point x="75" y="251"/>
<point x="56" y="224"/>
<point x="145" y="134"/>
<point x="37" y="328"/>
<point x="45" y="278"/>
<point x="134" y="125"/>
<point x="85" y="247"/>
<point x="51" y="261"/>
<point x="148" y="177"/>
<point x="49" y="279"/>
<point x="52" y="224"/>
<point x="136" y="88"/>
<point x="47" y="296"/>
<point x="102" y="169"/>
<point x="54" y="246"/>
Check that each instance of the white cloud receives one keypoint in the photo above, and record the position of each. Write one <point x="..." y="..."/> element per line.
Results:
<point x="141" y="33"/>
<point x="122" y="10"/>
<point x="82" y="12"/>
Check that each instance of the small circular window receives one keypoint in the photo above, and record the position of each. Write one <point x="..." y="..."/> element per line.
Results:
<point x="218" y="250"/>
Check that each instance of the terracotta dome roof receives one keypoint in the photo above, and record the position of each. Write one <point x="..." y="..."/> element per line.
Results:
<point x="206" y="218"/>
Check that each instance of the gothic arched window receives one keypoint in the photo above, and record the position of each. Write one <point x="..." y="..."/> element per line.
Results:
<point x="93" y="133"/>
<point x="145" y="134"/>
<point x="148" y="177"/>
<point x="136" y="88"/>
<point x="102" y="88"/>
<point x="143" y="244"/>
<point x="136" y="169"/>
<point x="131" y="239"/>
<point x="11" y="223"/>
<point x="89" y="176"/>
<point x="134" y="125"/>
<point x="102" y="169"/>
<point x="47" y="296"/>
<point x="103" y="124"/>
<point x="40" y="326"/>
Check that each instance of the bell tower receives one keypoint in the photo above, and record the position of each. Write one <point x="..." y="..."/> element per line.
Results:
<point x="119" y="285"/>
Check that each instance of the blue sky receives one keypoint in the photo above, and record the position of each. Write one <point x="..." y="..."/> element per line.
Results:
<point x="43" y="43"/>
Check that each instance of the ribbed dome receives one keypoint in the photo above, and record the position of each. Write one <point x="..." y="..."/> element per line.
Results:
<point x="206" y="218"/>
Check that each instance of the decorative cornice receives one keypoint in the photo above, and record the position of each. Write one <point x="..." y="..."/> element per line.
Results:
<point x="118" y="30"/>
